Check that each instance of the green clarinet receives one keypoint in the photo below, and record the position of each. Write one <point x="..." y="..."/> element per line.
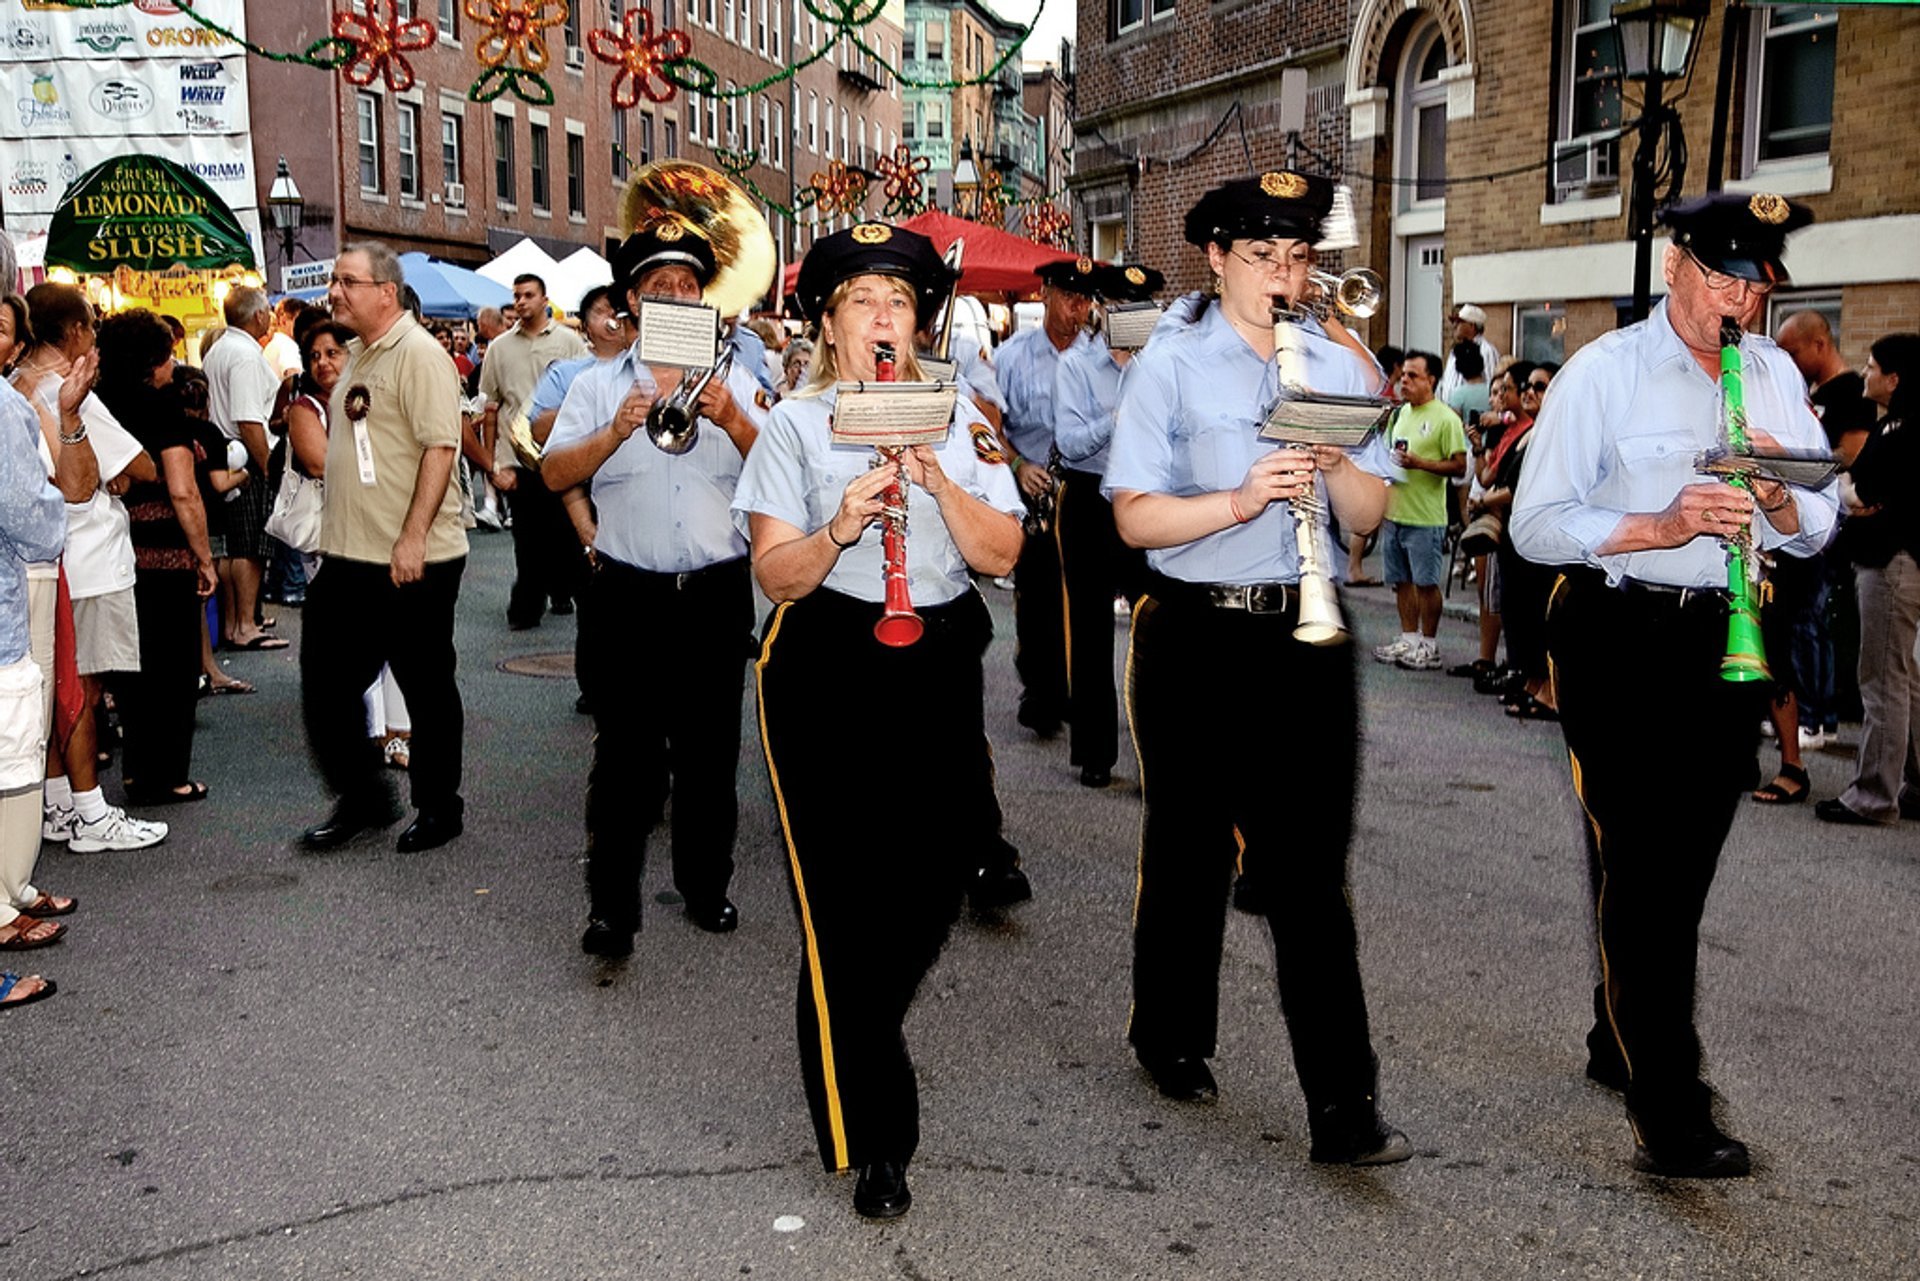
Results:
<point x="1746" y="657"/>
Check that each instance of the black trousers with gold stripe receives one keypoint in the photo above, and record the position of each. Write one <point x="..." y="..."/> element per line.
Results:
<point x="1208" y="766"/>
<point x="1614" y="651"/>
<point x="871" y="751"/>
<point x="1095" y="566"/>
<point x="1039" y="630"/>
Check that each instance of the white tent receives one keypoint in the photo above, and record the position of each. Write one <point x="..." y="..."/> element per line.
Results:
<point x="522" y="257"/>
<point x="573" y="275"/>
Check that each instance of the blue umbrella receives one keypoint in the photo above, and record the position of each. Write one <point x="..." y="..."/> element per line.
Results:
<point x="448" y="292"/>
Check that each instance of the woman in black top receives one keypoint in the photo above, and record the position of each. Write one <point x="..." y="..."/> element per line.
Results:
<point x="1881" y="537"/>
<point x="173" y="563"/>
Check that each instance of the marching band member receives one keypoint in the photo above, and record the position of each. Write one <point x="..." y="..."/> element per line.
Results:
<point x="1639" y="618"/>
<point x="1191" y="482"/>
<point x="664" y="643"/>
<point x="1094" y="564"/>
<point x="842" y="714"/>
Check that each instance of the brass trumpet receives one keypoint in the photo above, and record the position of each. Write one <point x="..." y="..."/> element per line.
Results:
<point x="1357" y="293"/>
<point x="673" y="424"/>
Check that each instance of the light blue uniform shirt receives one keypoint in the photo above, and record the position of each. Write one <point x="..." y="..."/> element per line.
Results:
<point x="1189" y="422"/>
<point x="1027" y="364"/>
<point x="33" y="518"/>
<point x="976" y="373"/>
<point x="556" y="382"/>
<point x="1618" y="433"/>
<point x="796" y="474"/>
<point x="1086" y="394"/>
<point x="659" y="512"/>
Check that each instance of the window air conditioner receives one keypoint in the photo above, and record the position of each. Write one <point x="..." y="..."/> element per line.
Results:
<point x="576" y="57"/>
<point x="457" y="194"/>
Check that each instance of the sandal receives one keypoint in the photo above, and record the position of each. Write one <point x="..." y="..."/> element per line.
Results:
<point x="10" y="983"/>
<point x="146" y="798"/>
<point x="1774" y="794"/>
<point x="28" y="932"/>
<point x="1530" y="708"/>
<point x="51" y="905"/>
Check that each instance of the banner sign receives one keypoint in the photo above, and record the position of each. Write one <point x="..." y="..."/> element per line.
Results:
<point x="306" y="275"/>
<point x="105" y="99"/>
<point x="31" y="32"/>
<point x="33" y="173"/>
<point x="147" y="214"/>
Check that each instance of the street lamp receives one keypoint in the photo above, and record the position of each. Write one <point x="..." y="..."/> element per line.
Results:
<point x="966" y="177"/>
<point x="1657" y="44"/>
<point x="286" y="204"/>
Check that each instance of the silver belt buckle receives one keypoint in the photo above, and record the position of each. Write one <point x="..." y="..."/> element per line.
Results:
<point x="1267" y="598"/>
<point x="680" y="582"/>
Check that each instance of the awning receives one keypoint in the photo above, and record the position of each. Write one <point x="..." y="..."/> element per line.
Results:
<point x="995" y="261"/>
<point x="448" y="292"/>
<point x="147" y="214"/>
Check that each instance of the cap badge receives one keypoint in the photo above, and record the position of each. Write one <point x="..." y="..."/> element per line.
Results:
<point x="1768" y="208"/>
<point x="668" y="232"/>
<point x="1283" y="185"/>
<point x="1135" y="276"/>
<point x="872" y="233"/>
<point x="1083" y="265"/>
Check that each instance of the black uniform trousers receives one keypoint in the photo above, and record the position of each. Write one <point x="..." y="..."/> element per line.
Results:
<point x="1615" y="652"/>
<point x="869" y="748"/>
<point x="357" y="621"/>
<point x="1213" y="759"/>
<point x="157" y="703"/>
<point x="548" y="561"/>
<point x="1039" y="630"/>
<point x="1094" y="567"/>
<point x="663" y="664"/>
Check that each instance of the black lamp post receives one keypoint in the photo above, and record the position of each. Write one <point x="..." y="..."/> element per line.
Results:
<point x="1657" y="44"/>
<point x="966" y="179"/>
<point x="286" y="204"/>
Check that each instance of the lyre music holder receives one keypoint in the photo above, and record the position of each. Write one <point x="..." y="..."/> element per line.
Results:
<point x="892" y="415"/>
<point x="1803" y="469"/>
<point x="1316" y="418"/>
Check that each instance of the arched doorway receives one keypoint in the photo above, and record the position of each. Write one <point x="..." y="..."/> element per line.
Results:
<point x="1420" y="196"/>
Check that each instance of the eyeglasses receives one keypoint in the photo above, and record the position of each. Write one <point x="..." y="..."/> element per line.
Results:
<point x="1538" y="388"/>
<point x="1268" y="260"/>
<point x="352" y="282"/>
<point x="1720" y="281"/>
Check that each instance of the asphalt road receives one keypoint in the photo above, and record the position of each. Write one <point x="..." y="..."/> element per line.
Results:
<point x="263" y="1064"/>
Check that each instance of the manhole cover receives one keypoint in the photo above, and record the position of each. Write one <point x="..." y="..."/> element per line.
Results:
<point x="546" y="666"/>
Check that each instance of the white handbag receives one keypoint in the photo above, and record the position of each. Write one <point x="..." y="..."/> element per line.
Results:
<point x="23" y="729"/>
<point x="295" y="519"/>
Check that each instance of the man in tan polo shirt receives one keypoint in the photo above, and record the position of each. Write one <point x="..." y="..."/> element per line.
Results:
<point x="394" y="549"/>
<point x="548" y="561"/>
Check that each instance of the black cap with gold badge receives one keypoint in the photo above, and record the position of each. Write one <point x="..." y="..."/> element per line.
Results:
<point x="1128" y="283"/>
<point x="1281" y="205"/>
<point x="671" y="241"/>
<point x="1077" y="275"/>
<point x="874" y="249"/>
<point x="1741" y="235"/>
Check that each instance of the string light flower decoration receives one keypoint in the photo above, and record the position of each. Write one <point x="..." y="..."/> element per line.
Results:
<point x="641" y="56"/>
<point x="990" y="206"/>
<point x="512" y="51"/>
<point x="905" y="193"/>
<point x="839" y="190"/>
<point x="1050" y="225"/>
<point x="379" y="40"/>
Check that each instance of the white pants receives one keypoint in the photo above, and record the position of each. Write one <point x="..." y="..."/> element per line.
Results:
<point x="20" y="808"/>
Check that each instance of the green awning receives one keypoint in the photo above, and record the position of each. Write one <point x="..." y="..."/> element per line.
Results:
<point x="145" y="213"/>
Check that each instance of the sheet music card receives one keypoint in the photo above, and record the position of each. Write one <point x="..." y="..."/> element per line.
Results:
<point x="892" y="414"/>
<point x="938" y="370"/>
<point x="682" y="334"/>
<point x="1129" y="326"/>
<point x="1309" y="418"/>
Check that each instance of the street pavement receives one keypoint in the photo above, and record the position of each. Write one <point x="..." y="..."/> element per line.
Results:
<point x="265" y="1064"/>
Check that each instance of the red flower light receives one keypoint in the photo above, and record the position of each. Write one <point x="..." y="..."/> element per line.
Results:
<point x="641" y="57"/>
<point x="380" y="39"/>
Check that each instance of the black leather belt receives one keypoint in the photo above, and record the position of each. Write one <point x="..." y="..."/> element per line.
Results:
<point x="1253" y="598"/>
<point x="1683" y="597"/>
<point x="647" y="578"/>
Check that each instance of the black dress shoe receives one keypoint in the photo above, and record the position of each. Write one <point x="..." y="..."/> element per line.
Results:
<point x="881" y="1191"/>
<point x="999" y="887"/>
<point x="1605" y="1064"/>
<point x="563" y="607"/>
<point x="718" y="917"/>
<point x="1183" y="1079"/>
<point x="1353" y="1134"/>
<point x="1095" y="776"/>
<point x="604" y="938"/>
<point x="1835" y="811"/>
<point x="1699" y="1150"/>
<point x="582" y="706"/>
<point x="431" y="830"/>
<point x="348" y="820"/>
<point x="1042" y="722"/>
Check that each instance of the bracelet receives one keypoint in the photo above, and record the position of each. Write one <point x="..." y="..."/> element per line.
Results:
<point x="76" y="438"/>
<point x="1233" y="505"/>
<point x="836" y="542"/>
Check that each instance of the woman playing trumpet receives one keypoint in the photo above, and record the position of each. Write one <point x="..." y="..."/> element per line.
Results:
<point x="873" y="911"/>
<point x="1191" y="482"/>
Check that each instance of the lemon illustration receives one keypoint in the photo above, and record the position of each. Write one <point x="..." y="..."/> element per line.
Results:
<point x="43" y="90"/>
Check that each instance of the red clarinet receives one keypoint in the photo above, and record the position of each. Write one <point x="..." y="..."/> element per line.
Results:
<point x="898" y="626"/>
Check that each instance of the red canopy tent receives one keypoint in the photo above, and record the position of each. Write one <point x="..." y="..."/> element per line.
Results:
<point x="994" y="262"/>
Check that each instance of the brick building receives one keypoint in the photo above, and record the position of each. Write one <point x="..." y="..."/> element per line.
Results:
<point x="846" y="107"/>
<point x="1047" y="96"/>
<point x="953" y="42"/>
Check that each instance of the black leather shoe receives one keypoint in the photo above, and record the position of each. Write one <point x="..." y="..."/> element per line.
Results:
<point x="1696" y="1151"/>
<point x="999" y="887"/>
<point x="582" y="706"/>
<point x="881" y="1191"/>
<point x="347" y="821"/>
<point x="1605" y="1064"/>
<point x="1038" y="719"/>
<point x="719" y="917"/>
<point x="1183" y="1079"/>
<point x="431" y="830"/>
<point x="604" y="938"/>
<point x="563" y="607"/>
<point x="1353" y="1134"/>
<point x="1835" y="811"/>
<point x="1095" y="776"/>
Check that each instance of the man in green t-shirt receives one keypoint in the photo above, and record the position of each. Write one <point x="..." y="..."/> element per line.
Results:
<point x="1430" y="446"/>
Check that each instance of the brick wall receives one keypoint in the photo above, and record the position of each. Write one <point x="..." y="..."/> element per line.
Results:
<point x="1200" y="39"/>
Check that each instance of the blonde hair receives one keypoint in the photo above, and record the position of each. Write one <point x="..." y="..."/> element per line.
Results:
<point x="824" y="371"/>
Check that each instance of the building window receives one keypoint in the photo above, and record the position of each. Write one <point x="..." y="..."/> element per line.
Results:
<point x="646" y="138"/>
<point x="1128" y="14"/>
<point x="452" y="168"/>
<point x="911" y="34"/>
<point x="1782" y="303"/>
<point x="760" y="26"/>
<point x="1540" y="332"/>
<point x="713" y="121"/>
<point x="576" y="175"/>
<point x="367" y="112"/>
<point x="733" y="118"/>
<point x="767" y="138"/>
<point x="779" y="133"/>
<point x="449" y="23"/>
<point x="693" y="115"/>
<point x="1162" y="9"/>
<point x="1793" y="101"/>
<point x="936" y="120"/>
<point x="727" y="27"/>
<point x="712" y="24"/>
<point x="1110" y="239"/>
<point x="1423" y="142"/>
<point x="406" y="137"/>
<point x="813" y="122"/>
<point x="1586" y="159"/>
<point x="862" y="135"/>
<point x="773" y="19"/>
<point x="829" y="151"/>
<point x="503" y="159"/>
<point x="570" y="32"/>
<point x="617" y="153"/>
<point x="669" y="13"/>
<point x="537" y="167"/>
<point x="936" y="41"/>
<point x="670" y="138"/>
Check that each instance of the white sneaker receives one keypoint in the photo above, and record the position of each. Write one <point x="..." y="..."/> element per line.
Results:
<point x="1812" y="740"/>
<point x="56" y="824"/>
<point x="117" y="831"/>
<point x="1424" y="657"/>
<point x="1391" y="653"/>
